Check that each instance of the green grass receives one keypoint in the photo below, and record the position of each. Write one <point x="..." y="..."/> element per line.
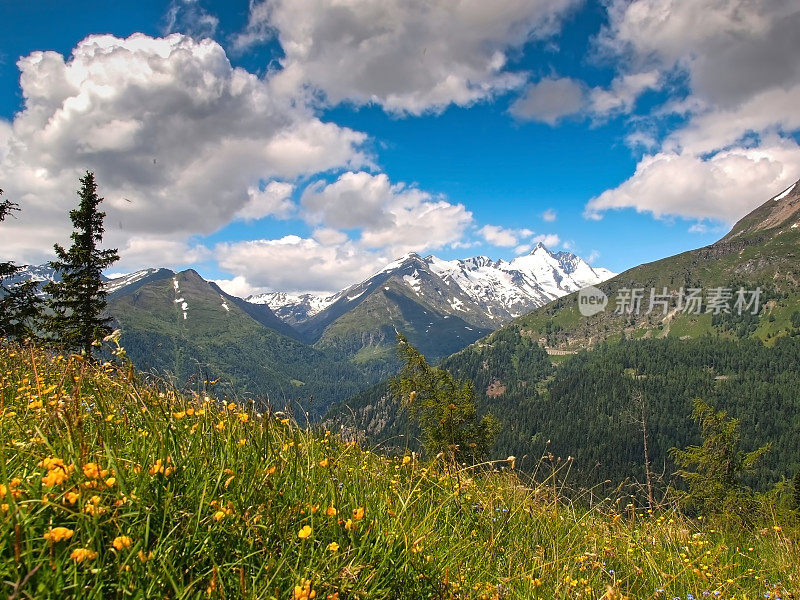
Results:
<point x="171" y="496"/>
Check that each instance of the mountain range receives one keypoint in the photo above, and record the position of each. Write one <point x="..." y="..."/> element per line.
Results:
<point x="559" y="381"/>
<point x="440" y="305"/>
<point x="566" y="384"/>
<point x="182" y="325"/>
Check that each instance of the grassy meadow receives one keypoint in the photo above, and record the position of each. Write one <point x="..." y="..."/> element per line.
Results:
<point x="112" y="488"/>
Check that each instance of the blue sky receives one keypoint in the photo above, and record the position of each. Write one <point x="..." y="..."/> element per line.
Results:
<point x="277" y="145"/>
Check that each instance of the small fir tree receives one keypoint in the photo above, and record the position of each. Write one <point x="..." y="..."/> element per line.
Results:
<point x="78" y="301"/>
<point x="714" y="470"/>
<point x="19" y="304"/>
<point x="444" y="408"/>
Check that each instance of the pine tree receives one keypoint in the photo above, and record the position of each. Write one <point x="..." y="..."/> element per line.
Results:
<point x="715" y="484"/>
<point x="19" y="304"/>
<point x="444" y="408"/>
<point x="78" y="301"/>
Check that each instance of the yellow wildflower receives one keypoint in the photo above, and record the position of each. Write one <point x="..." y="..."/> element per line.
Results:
<point x="81" y="554"/>
<point x="333" y="547"/>
<point x="243" y="417"/>
<point x="331" y="511"/>
<point x="57" y="534"/>
<point x="111" y="481"/>
<point x="91" y="470"/>
<point x="324" y="462"/>
<point x="179" y="415"/>
<point x="406" y="459"/>
<point x="358" y="513"/>
<point x="303" y="591"/>
<point x="219" y="515"/>
<point x="51" y="463"/>
<point x="220" y="426"/>
<point x="56" y="476"/>
<point x="121" y="542"/>
<point x="305" y="532"/>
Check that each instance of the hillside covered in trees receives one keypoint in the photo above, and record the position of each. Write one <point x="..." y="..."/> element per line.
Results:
<point x="588" y="407"/>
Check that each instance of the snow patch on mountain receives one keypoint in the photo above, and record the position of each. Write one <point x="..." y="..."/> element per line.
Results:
<point x="522" y="284"/>
<point x="181" y="301"/>
<point x="120" y="282"/>
<point x="295" y="308"/>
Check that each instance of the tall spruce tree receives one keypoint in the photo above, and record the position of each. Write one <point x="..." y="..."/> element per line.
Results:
<point x="444" y="408"/>
<point x="713" y="471"/>
<point x="19" y="304"/>
<point x="78" y="301"/>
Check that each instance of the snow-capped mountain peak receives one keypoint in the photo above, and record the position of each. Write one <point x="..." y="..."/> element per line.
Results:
<point x="481" y="290"/>
<point x="294" y="308"/>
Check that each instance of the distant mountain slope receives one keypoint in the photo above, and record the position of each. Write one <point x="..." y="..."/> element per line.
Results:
<point x="294" y="308"/>
<point x="761" y="250"/>
<point x="587" y="407"/>
<point x="181" y="325"/>
<point x="499" y="290"/>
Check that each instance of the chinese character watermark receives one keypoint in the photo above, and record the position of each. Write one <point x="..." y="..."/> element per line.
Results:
<point x="691" y="300"/>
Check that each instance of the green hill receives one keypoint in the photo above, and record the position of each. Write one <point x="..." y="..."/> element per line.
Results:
<point x="761" y="251"/>
<point x="185" y="328"/>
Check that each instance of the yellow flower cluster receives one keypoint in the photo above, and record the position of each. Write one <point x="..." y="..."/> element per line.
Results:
<point x="122" y="542"/>
<point x="303" y="591"/>
<point x="162" y="468"/>
<point x="57" y="471"/>
<point x="12" y="488"/>
<point x="58" y="534"/>
<point x="93" y="471"/>
<point x="82" y="554"/>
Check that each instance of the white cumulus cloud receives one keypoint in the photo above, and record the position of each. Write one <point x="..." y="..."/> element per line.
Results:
<point x="502" y="236"/>
<point x="741" y="106"/>
<point x="274" y="200"/>
<point x="394" y="217"/>
<point x="297" y="264"/>
<point x="179" y="141"/>
<point x="409" y="56"/>
<point x="725" y="186"/>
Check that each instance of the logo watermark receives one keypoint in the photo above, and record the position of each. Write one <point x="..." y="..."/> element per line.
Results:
<point x="591" y="300"/>
<point x="635" y="301"/>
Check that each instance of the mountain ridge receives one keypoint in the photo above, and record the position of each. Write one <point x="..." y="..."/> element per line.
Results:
<point x="501" y="289"/>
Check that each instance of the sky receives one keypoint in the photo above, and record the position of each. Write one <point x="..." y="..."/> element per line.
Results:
<point x="301" y="145"/>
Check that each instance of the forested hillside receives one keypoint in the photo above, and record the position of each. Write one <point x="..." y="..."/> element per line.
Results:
<point x="588" y="407"/>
